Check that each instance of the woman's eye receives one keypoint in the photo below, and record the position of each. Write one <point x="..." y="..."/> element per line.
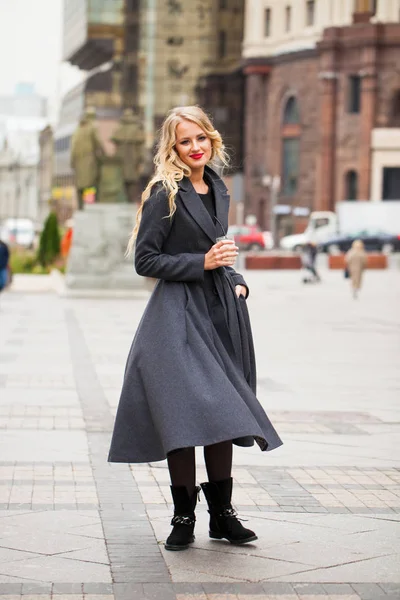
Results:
<point x="202" y="138"/>
<point x="185" y="142"/>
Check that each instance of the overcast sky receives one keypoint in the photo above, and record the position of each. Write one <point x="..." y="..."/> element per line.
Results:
<point x="31" y="48"/>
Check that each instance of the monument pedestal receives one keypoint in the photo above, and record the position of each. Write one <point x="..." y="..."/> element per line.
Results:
<point x="96" y="260"/>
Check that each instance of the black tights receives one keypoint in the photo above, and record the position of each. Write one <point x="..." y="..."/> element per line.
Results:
<point x="182" y="464"/>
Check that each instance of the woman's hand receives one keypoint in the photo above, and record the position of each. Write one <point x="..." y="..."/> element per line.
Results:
<point x="240" y="291"/>
<point x="222" y="254"/>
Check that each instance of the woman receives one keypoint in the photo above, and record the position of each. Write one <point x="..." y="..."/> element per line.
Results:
<point x="356" y="261"/>
<point x="190" y="377"/>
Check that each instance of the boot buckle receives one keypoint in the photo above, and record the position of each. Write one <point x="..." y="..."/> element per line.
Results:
<point x="228" y="512"/>
<point x="182" y="520"/>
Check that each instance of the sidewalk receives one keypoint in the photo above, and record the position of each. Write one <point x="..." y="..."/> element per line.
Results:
<point x="326" y="506"/>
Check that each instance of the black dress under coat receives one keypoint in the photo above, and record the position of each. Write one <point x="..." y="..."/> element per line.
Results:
<point x="190" y="377"/>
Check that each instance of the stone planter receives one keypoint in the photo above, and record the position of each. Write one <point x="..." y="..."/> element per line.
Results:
<point x="272" y="261"/>
<point x="374" y="261"/>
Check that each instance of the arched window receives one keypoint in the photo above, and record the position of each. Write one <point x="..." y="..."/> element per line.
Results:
<point x="351" y="185"/>
<point x="291" y="112"/>
<point x="291" y="132"/>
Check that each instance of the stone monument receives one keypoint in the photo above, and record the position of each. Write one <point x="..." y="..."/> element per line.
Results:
<point x="129" y="139"/>
<point x="87" y="153"/>
<point x="96" y="262"/>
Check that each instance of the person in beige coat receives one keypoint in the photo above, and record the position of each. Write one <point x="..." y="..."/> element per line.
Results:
<point x="86" y="153"/>
<point x="356" y="261"/>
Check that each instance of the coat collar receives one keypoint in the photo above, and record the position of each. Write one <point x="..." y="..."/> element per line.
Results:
<point x="196" y="208"/>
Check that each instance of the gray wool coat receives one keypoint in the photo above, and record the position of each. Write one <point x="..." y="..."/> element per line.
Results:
<point x="184" y="385"/>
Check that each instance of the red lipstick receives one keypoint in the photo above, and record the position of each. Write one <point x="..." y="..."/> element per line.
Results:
<point x="196" y="156"/>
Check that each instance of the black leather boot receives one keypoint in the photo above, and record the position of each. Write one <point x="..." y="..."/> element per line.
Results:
<point x="183" y="520"/>
<point x="223" y="518"/>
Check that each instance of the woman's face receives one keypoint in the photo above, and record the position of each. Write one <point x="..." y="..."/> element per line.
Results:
<point x="192" y="145"/>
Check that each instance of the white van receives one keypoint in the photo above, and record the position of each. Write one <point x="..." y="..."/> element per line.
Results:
<point x="18" y="232"/>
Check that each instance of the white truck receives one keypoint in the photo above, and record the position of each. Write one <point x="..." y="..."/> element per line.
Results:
<point x="350" y="217"/>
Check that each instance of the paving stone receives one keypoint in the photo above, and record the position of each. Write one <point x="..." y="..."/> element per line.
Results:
<point x="10" y="589"/>
<point x="154" y="591"/>
<point x="36" y="589"/>
<point x="368" y="591"/>
<point x="308" y="588"/>
<point x="97" y="588"/>
<point x="391" y="588"/>
<point x="338" y="588"/>
<point x="188" y="588"/>
<point x="67" y="588"/>
<point x="273" y="587"/>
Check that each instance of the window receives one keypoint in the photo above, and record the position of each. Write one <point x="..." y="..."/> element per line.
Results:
<point x="175" y="40"/>
<point x="288" y="18"/>
<point x="290" y="171"/>
<point x="222" y="44"/>
<point x="354" y="94"/>
<point x="291" y="112"/>
<point x="391" y="183"/>
<point x="290" y="132"/>
<point x="267" y="22"/>
<point x="321" y="222"/>
<point x="395" y="112"/>
<point x="310" y="13"/>
<point x="351" y="185"/>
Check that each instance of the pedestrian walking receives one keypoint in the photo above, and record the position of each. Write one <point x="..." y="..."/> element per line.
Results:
<point x="190" y="378"/>
<point x="356" y="261"/>
<point x="4" y="265"/>
<point x="309" y="259"/>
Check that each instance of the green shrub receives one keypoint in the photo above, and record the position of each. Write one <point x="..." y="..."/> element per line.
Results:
<point x="22" y="261"/>
<point x="49" y="245"/>
<point x="40" y="270"/>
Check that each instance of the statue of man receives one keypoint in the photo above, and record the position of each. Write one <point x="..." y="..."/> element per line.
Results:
<point x="128" y="138"/>
<point x="86" y="154"/>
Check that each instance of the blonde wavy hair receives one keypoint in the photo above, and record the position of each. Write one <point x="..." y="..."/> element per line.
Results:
<point x="170" y="169"/>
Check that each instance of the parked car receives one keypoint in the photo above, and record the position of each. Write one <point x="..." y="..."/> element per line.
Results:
<point x="374" y="240"/>
<point x="19" y="232"/>
<point x="250" y="237"/>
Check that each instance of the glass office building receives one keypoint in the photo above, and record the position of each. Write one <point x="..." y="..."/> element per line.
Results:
<point x="90" y="30"/>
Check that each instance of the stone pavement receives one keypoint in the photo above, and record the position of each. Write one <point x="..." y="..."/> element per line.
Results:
<point x="326" y="506"/>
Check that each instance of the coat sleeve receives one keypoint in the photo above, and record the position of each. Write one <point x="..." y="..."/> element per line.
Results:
<point x="237" y="279"/>
<point x="150" y="260"/>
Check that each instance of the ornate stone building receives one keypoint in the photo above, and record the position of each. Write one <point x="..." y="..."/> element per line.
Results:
<point x="322" y="105"/>
<point x="221" y="90"/>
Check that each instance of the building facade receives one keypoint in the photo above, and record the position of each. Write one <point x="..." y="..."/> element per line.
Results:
<point x="180" y="52"/>
<point x="221" y="90"/>
<point x="322" y="105"/>
<point x="22" y="117"/>
<point x="18" y="186"/>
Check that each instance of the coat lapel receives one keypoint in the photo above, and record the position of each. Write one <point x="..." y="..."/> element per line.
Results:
<point x="198" y="211"/>
<point x="221" y="202"/>
<point x="196" y="208"/>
